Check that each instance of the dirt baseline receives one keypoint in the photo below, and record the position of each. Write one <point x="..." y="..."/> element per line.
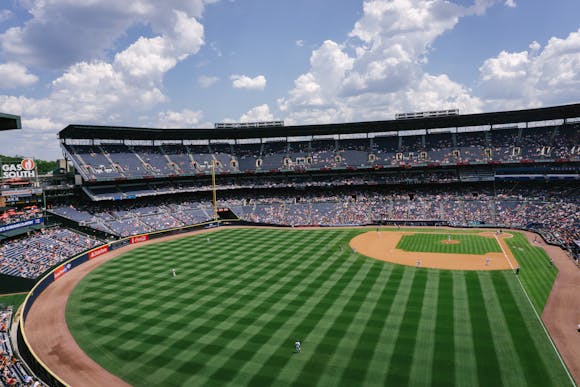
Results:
<point x="383" y="246"/>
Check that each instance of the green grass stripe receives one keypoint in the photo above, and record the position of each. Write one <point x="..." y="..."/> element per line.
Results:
<point x="434" y="243"/>
<point x="317" y="362"/>
<point x="443" y="369"/>
<point x="343" y="356"/>
<point x="512" y="373"/>
<point x="400" y="365"/>
<point x="536" y="273"/>
<point x="533" y="366"/>
<point x="464" y="347"/>
<point x="488" y="370"/>
<point x="366" y="345"/>
<point x="424" y="351"/>
<point x="254" y="343"/>
<point x="305" y="295"/>
<point x="542" y="347"/>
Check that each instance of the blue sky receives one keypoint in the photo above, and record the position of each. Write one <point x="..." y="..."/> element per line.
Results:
<point x="190" y="63"/>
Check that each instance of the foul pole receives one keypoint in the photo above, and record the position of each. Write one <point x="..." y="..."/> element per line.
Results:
<point x="215" y="215"/>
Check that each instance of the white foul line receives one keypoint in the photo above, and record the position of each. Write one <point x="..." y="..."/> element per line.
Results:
<point x="538" y="317"/>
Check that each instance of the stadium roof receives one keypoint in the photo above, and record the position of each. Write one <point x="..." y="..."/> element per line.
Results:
<point x="9" y="122"/>
<point x="480" y="119"/>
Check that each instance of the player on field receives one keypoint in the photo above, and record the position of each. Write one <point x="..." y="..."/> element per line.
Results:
<point x="173" y="273"/>
<point x="297" y="345"/>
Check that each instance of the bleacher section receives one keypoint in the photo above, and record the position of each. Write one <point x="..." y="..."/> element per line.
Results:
<point x="32" y="255"/>
<point x="107" y="161"/>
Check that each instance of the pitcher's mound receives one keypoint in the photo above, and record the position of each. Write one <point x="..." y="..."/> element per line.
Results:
<point x="450" y="242"/>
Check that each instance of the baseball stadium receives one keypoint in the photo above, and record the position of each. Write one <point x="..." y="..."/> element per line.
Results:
<point x="436" y="248"/>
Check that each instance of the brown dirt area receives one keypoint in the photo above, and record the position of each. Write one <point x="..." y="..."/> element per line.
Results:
<point x="48" y="335"/>
<point x="382" y="245"/>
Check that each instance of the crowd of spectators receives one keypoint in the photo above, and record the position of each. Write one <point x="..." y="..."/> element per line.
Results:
<point x="553" y="212"/>
<point x="12" y="371"/>
<point x="31" y="255"/>
<point x="12" y="216"/>
<point x="113" y="161"/>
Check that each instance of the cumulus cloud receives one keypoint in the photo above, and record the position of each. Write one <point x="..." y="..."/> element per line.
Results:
<point x="13" y="75"/>
<point x="380" y="69"/>
<point x="257" y="113"/>
<point x="183" y="119"/>
<point x="245" y="82"/>
<point x="511" y="3"/>
<point x="535" y="77"/>
<point x="63" y="32"/>
<point x="206" y="81"/>
<point x="98" y="90"/>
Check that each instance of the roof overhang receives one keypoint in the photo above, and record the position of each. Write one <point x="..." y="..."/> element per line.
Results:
<point x="467" y="120"/>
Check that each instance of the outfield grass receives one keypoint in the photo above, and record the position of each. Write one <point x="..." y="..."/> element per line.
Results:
<point x="537" y="274"/>
<point x="239" y="302"/>
<point x="433" y="243"/>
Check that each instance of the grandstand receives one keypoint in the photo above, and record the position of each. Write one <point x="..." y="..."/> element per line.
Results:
<point x="491" y="169"/>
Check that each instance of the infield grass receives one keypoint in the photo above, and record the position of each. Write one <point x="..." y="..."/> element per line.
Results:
<point x="437" y="243"/>
<point x="239" y="302"/>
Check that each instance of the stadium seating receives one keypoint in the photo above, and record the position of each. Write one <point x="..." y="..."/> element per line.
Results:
<point x="503" y="145"/>
<point x="32" y="255"/>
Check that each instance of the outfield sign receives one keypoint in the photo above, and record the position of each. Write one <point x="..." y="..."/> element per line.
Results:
<point x="139" y="239"/>
<point x="25" y="223"/>
<point x="61" y="270"/>
<point x="98" y="251"/>
<point x="26" y="169"/>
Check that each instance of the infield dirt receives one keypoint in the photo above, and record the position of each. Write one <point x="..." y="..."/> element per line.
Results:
<point x="383" y="246"/>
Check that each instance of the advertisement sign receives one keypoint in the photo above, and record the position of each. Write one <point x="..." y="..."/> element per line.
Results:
<point x="26" y="169"/>
<point x="139" y="239"/>
<point x="98" y="251"/>
<point x="61" y="270"/>
<point x="25" y="223"/>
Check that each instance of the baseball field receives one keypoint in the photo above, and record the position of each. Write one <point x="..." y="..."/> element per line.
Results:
<point x="242" y="297"/>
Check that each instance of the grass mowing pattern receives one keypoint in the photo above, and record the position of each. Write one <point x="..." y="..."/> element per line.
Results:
<point x="536" y="272"/>
<point x="432" y="243"/>
<point x="239" y="302"/>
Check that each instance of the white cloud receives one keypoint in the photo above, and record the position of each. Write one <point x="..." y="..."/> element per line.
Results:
<point x="184" y="119"/>
<point x="100" y="91"/>
<point x="245" y="82"/>
<point x="257" y="113"/>
<point x="531" y="78"/>
<point x="511" y="3"/>
<point x="63" y="32"/>
<point x="300" y="43"/>
<point x="380" y="69"/>
<point x="206" y="81"/>
<point x="13" y="75"/>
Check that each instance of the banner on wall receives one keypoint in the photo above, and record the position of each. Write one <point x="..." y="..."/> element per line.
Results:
<point x="98" y="251"/>
<point x="139" y="239"/>
<point x="61" y="270"/>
